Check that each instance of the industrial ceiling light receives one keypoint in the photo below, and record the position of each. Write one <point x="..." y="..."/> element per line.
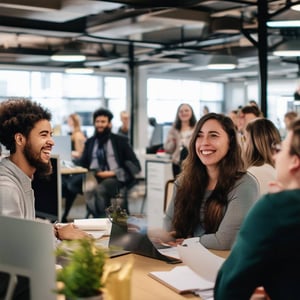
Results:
<point x="296" y="7"/>
<point x="289" y="48"/>
<point x="288" y="18"/>
<point x="67" y="56"/>
<point x="79" y="70"/>
<point x="222" y="62"/>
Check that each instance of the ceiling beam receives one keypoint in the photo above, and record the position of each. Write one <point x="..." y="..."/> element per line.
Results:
<point x="36" y="5"/>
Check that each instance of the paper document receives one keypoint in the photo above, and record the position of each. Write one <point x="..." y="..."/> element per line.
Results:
<point x="102" y="224"/>
<point x="200" y="259"/>
<point x="182" y="280"/>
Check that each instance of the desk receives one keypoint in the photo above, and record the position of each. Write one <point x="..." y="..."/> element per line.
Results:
<point x="74" y="170"/>
<point x="146" y="288"/>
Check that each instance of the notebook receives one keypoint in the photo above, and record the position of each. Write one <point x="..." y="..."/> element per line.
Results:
<point x="27" y="251"/>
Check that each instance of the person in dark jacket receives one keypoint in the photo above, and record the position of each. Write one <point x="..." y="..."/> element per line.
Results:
<point x="113" y="161"/>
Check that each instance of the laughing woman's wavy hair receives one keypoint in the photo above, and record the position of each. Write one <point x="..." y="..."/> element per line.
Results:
<point x="194" y="181"/>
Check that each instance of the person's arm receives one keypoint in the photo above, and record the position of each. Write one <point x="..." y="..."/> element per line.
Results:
<point x="240" y="200"/>
<point x="241" y="273"/>
<point x="79" y="140"/>
<point x="12" y="202"/>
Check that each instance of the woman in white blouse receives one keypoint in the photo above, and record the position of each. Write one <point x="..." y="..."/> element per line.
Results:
<point x="179" y="136"/>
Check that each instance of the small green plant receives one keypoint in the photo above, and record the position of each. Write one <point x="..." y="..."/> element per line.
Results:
<point x="117" y="214"/>
<point x="83" y="268"/>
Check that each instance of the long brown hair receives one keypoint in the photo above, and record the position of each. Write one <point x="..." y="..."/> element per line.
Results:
<point x="262" y="134"/>
<point x="194" y="179"/>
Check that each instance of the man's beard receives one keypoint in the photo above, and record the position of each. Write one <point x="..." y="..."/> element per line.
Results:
<point x="103" y="136"/>
<point x="42" y="169"/>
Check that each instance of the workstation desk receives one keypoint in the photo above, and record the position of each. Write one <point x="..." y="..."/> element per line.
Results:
<point x="146" y="288"/>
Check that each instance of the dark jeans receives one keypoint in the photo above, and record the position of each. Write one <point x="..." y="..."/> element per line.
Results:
<point x="100" y="198"/>
<point x="71" y="186"/>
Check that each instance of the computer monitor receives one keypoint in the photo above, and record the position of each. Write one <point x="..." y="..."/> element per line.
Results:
<point x="62" y="147"/>
<point x="27" y="254"/>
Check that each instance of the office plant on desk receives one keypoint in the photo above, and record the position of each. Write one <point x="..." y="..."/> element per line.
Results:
<point x="83" y="266"/>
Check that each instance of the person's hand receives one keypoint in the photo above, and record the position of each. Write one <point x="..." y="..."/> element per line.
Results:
<point x="275" y="187"/>
<point x="70" y="232"/>
<point x="161" y="236"/>
<point x="105" y="174"/>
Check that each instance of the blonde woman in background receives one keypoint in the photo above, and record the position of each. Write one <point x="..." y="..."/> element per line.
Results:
<point x="77" y="136"/>
<point x="260" y="135"/>
<point x="179" y="136"/>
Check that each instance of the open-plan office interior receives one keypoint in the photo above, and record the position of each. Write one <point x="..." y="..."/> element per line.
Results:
<point x="148" y="56"/>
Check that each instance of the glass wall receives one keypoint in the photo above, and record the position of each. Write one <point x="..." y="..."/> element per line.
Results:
<point x="165" y="95"/>
<point x="64" y="94"/>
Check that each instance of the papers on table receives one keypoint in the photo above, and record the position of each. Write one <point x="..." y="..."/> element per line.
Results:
<point x="200" y="259"/>
<point x="182" y="280"/>
<point x="97" y="227"/>
<point x="199" y="273"/>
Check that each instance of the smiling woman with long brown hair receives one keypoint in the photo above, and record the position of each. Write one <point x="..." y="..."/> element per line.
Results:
<point x="213" y="193"/>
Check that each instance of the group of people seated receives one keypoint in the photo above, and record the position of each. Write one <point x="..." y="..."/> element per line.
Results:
<point x="112" y="160"/>
<point x="233" y="195"/>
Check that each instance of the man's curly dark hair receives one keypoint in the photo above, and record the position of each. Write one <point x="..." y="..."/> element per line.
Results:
<point x="19" y="115"/>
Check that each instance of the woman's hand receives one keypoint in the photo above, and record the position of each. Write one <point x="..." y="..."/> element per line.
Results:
<point x="162" y="237"/>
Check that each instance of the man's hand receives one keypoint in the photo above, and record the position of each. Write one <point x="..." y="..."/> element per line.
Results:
<point x="105" y="174"/>
<point x="70" y="232"/>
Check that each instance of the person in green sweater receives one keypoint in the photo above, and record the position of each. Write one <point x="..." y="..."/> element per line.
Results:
<point x="266" y="252"/>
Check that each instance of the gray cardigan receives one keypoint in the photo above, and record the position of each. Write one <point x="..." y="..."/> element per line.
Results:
<point x="240" y="200"/>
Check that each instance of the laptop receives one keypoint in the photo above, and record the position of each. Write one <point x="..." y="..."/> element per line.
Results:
<point x="27" y="260"/>
<point x="122" y="241"/>
<point x="63" y="148"/>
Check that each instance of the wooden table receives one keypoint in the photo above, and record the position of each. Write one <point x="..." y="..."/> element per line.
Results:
<point x="73" y="170"/>
<point x="143" y="287"/>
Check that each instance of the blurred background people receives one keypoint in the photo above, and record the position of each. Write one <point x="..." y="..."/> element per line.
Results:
<point x="213" y="193"/>
<point x="112" y="160"/>
<point x="179" y="136"/>
<point x="124" y="128"/>
<point x="289" y="117"/>
<point x="246" y="114"/>
<point x="234" y="116"/>
<point x="78" y="137"/>
<point x="260" y="135"/>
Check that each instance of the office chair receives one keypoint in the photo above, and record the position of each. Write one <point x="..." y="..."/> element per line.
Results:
<point x="168" y="193"/>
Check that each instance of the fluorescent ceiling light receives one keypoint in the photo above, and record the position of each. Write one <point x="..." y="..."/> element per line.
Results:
<point x="68" y="57"/>
<point x="283" y="23"/>
<point x="79" y="70"/>
<point x="222" y="62"/>
<point x="288" y="48"/>
<point x="296" y="7"/>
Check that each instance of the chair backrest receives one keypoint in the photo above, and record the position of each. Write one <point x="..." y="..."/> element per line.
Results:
<point x="168" y="193"/>
<point x="47" y="193"/>
<point x="27" y="250"/>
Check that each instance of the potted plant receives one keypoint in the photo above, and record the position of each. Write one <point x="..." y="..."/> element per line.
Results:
<point x="83" y="265"/>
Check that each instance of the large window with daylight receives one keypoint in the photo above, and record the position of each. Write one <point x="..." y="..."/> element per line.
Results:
<point x="165" y="95"/>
